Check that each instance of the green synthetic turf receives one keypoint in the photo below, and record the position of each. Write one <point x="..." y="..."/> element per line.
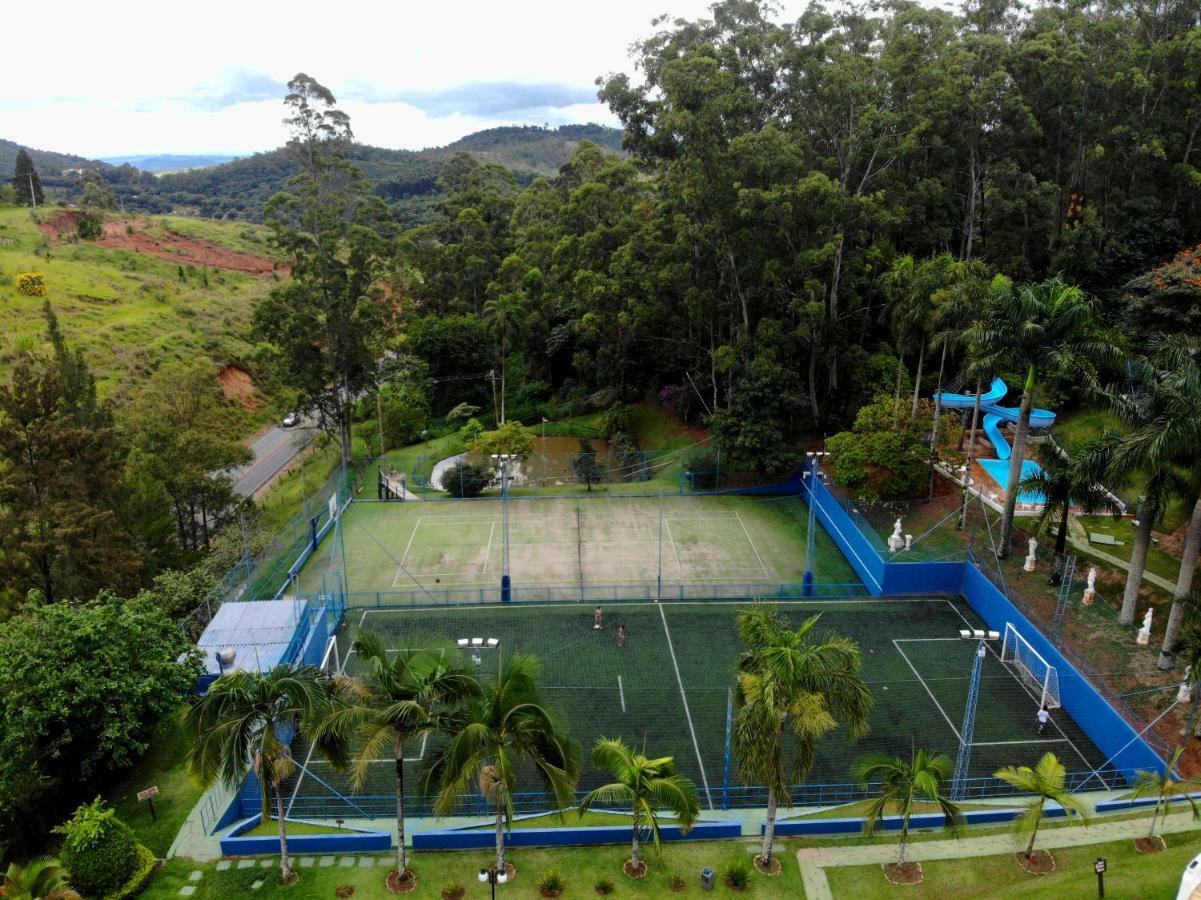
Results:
<point x="411" y="547"/>
<point x="666" y="690"/>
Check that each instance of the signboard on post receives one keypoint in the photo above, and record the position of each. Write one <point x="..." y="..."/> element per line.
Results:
<point x="147" y="796"/>
<point x="1099" y="867"/>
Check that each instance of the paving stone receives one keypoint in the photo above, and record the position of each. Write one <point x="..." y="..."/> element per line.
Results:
<point x="195" y="875"/>
<point x="246" y="863"/>
<point x="346" y="862"/>
<point x="225" y="865"/>
<point x="187" y="890"/>
<point x="266" y="863"/>
<point x="366" y="862"/>
<point x="326" y="861"/>
<point x="306" y="861"/>
<point x="258" y="884"/>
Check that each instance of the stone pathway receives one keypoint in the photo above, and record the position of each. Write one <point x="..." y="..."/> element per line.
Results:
<point x="1078" y="538"/>
<point x="815" y="860"/>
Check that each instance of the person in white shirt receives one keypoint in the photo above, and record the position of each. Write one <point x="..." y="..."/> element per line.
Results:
<point x="1043" y="718"/>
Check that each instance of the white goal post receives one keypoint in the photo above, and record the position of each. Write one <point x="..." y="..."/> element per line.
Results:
<point x="1034" y="671"/>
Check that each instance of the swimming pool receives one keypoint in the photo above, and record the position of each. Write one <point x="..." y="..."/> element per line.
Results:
<point x="998" y="470"/>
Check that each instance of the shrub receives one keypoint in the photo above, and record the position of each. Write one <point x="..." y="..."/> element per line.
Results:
<point x="738" y="874"/>
<point x="89" y="227"/>
<point x="551" y="883"/>
<point x="452" y="890"/>
<point x="99" y="850"/>
<point x="616" y="420"/>
<point x="604" y="886"/>
<point x="676" y="881"/>
<point x="466" y="480"/>
<point x="32" y="284"/>
<point x="140" y="877"/>
<point x="705" y="465"/>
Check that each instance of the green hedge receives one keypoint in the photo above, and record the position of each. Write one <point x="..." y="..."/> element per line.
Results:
<point x="142" y="873"/>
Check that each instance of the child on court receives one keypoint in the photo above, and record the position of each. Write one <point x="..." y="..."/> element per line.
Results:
<point x="621" y="635"/>
<point x="1043" y="718"/>
<point x="596" y="619"/>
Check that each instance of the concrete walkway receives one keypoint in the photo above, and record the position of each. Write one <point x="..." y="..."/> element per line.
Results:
<point x="1078" y="538"/>
<point x="815" y="860"/>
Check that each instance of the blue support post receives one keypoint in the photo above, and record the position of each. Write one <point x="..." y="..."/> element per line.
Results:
<point x="964" y="757"/>
<point x="725" y="778"/>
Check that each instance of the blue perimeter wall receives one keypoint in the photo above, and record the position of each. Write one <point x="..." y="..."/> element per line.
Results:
<point x="1112" y="734"/>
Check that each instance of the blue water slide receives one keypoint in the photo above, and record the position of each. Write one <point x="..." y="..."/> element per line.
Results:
<point x="995" y="415"/>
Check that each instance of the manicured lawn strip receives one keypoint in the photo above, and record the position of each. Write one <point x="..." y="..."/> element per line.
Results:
<point x="163" y="767"/>
<point x="271" y="829"/>
<point x="1131" y="874"/>
<point x="581" y="868"/>
<point x="568" y="820"/>
<point x="859" y="808"/>
<point x="1158" y="561"/>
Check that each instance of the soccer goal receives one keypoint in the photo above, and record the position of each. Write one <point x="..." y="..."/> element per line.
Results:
<point x="1035" y="672"/>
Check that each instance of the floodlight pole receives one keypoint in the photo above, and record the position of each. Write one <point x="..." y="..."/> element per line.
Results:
<point x="506" y="585"/>
<point x="659" y="590"/>
<point x="964" y="757"/>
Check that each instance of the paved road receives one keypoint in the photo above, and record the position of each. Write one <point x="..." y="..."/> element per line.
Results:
<point x="272" y="450"/>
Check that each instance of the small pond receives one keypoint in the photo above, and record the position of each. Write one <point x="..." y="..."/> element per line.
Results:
<point x="549" y="464"/>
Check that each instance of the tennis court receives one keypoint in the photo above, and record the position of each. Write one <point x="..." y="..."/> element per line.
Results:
<point x="405" y="549"/>
<point x="667" y="689"/>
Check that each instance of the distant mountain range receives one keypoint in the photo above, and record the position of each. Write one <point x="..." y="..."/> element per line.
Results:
<point x="237" y="188"/>
<point x="168" y="162"/>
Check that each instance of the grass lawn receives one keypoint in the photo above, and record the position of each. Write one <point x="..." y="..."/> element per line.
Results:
<point x="1075" y="428"/>
<point x="163" y="767"/>
<point x="1131" y="874"/>
<point x="851" y="810"/>
<point x="284" y="499"/>
<point x="270" y="828"/>
<point x="569" y="820"/>
<point x="581" y="868"/>
<point x="1158" y="561"/>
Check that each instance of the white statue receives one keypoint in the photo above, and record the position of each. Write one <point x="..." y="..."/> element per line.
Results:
<point x="1090" y="590"/>
<point x="1186" y="687"/>
<point x="1144" y="633"/>
<point x="1031" y="555"/>
<point x="895" y="541"/>
<point x="908" y="542"/>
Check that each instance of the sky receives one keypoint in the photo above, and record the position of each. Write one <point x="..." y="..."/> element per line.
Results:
<point x="130" y="77"/>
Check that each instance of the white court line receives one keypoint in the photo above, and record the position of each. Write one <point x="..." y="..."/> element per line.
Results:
<point x="408" y="546"/>
<point x="488" y="552"/>
<point x="621" y="693"/>
<point x="1062" y="740"/>
<point x="962" y="616"/>
<point x="675" y="552"/>
<point x="938" y="705"/>
<point x="1071" y="743"/>
<point x="684" y="697"/>
<point x="752" y="543"/>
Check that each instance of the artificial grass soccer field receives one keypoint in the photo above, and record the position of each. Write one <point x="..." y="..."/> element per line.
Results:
<point x="657" y="546"/>
<point x="666" y="690"/>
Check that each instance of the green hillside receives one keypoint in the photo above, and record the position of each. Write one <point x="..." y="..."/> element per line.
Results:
<point x="126" y="308"/>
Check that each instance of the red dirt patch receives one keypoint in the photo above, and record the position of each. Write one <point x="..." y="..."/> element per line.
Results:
<point x="402" y="883"/>
<point x="129" y="234"/>
<point x="1150" y="844"/>
<point x="903" y="873"/>
<point x="1040" y="862"/>
<point x="237" y="385"/>
<point x="632" y="872"/>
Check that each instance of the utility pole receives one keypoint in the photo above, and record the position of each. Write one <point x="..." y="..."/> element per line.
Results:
<point x="33" y="198"/>
<point x="495" y="405"/>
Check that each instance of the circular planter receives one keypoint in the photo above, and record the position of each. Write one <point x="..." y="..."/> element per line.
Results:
<point x="1040" y="862"/>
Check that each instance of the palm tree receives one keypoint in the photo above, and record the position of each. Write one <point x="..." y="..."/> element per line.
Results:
<point x="906" y="782"/>
<point x="1044" y="327"/>
<point x="1065" y="480"/>
<point x="1161" y="414"/>
<point x="790" y="680"/>
<point x="504" y="314"/>
<point x="647" y="786"/>
<point x="39" y="879"/>
<point x="403" y="696"/>
<point x="1164" y="788"/>
<point x="238" y="726"/>
<point x="507" y="723"/>
<point x="1044" y="782"/>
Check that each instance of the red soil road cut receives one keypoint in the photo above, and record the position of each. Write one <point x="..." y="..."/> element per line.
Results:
<point x="127" y="234"/>
<point x="237" y="385"/>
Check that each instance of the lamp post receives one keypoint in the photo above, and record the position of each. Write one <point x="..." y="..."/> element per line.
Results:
<point x="967" y="729"/>
<point x="493" y="876"/>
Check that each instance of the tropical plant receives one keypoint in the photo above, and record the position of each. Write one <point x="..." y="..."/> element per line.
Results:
<point x="32" y="284"/>
<point x="604" y="886"/>
<point x="507" y="723"/>
<point x="1162" y="415"/>
<point x="904" y="783"/>
<point x="239" y="725"/>
<point x="1043" y="782"/>
<point x="790" y="679"/>
<point x="1164" y="788"/>
<point x="737" y="875"/>
<point x="504" y="315"/>
<point x="551" y="883"/>
<point x="99" y="850"/>
<point x="402" y="696"/>
<point x="38" y="879"/>
<point x="1064" y="481"/>
<point x="1043" y="328"/>
<point x="647" y="786"/>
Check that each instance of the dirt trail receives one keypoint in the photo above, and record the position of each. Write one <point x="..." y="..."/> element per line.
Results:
<point x="129" y="234"/>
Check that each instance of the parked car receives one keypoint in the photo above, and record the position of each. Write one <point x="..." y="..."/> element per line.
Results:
<point x="291" y="420"/>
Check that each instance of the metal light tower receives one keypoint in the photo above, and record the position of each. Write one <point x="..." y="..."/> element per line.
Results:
<point x="809" y="485"/>
<point x="964" y="757"/>
<point x="506" y="587"/>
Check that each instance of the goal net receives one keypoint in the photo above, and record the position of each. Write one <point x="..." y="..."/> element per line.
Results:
<point x="1034" y="671"/>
